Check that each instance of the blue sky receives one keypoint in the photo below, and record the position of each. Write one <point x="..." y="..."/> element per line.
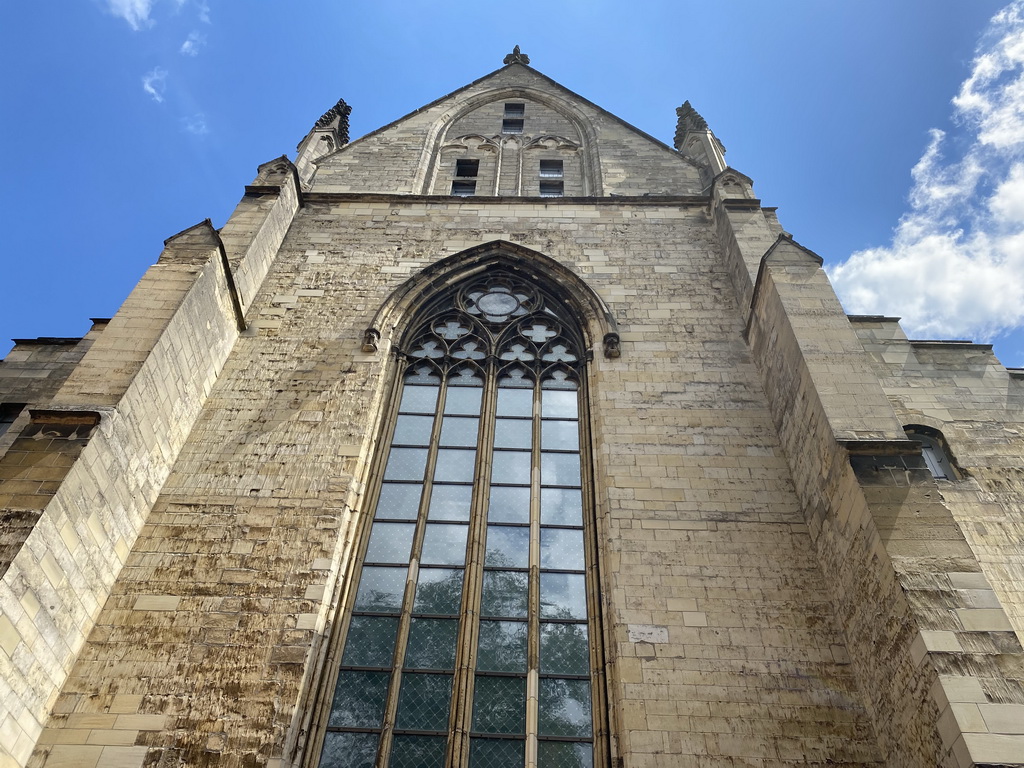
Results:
<point x="889" y="134"/>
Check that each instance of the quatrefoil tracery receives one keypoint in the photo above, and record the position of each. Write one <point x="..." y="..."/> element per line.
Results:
<point x="498" y="318"/>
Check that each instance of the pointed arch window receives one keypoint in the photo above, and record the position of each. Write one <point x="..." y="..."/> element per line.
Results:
<point x="472" y="640"/>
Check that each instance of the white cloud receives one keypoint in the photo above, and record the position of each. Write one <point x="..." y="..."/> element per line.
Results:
<point x="192" y="44"/>
<point x="154" y="83"/>
<point x="135" y="12"/>
<point x="196" y="124"/>
<point x="955" y="267"/>
<point x="204" y="12"/>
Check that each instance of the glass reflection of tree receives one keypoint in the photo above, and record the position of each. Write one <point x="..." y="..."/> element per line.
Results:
<point x="442" y="597"/>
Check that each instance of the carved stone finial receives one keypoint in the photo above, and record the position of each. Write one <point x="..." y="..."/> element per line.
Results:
<point x="516" y="57"/>
<point x="339" y="112"/>
<point x="689" y="120"/>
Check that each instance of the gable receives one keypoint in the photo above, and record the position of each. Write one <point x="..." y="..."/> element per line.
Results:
<point x="599" y="154"/>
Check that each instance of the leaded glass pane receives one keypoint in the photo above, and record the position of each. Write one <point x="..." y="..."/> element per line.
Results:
<point x="559" y="404"/>
<point x="560" y="435"/>
<point x="562" y="596"/>
<point x="349" y="750"/>
<point x="562" y="549"/>
<point x="511" y="467"/>
<point x="381" y="589"/>
<point x="424" y="701"/>
<point x="444" y="544"/>
<point x="390" y="542"/>
<point x="463" y="400"/>
<point x="538" y="331"/>
<point x="439" y="591"/>
<point x="469" y="349"/>
<point x="459" y="431"/>
<point x="565" y="754"/>
<point x="450" y="328"/>
<point x="450" y="502"/>
<point x="509" y="505"/>
<point x="359" y="699"/>
<point x="514" y="402"/>
<point x="496" y="753"/>
<point x="560" y="468"/>
<point x="507" y="547"/>
<point x="406" y="464"/>
<point x="455" y="465"/>
<point x="416" y="399"/>
<point x="399" y="501"/>
<point x="558" y="353"/>
<point x="517" y="352"/>
<point x="504" y="594"/>
<point x="561" y="506"/>
<point x="418" y="751"/>
<point x="432" y="644"/>
<point x="467" y="376"/>
<point x="499" y="705"/>
<point x="502" y="646"/>
<point x="413" y="430"/>
<point x="514" y="377"/>
<point x="560" y="379"/>
<point x="513" y="433"/>
<point x="370" y="642"/>
<point x="564" y="707"/>
<point x="564" y="649"/>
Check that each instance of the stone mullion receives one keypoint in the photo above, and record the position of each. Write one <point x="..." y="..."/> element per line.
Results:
<point x="405" y="619"/>
<point x="595" y="623"/>
<point x="461" y="717"/>
<point x="533" y="610"/>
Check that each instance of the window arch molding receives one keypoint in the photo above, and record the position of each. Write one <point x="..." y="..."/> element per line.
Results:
<point x="593" y="183"/>
<point x="589" y="311"/>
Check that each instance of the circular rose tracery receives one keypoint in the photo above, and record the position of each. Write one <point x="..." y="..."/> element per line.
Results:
<point x="497" y="305"/>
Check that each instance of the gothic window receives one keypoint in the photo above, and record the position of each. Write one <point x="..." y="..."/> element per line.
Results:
<point x="472" y="639"/>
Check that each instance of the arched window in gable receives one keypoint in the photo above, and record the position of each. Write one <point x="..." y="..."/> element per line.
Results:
<point x="472" y="640"/>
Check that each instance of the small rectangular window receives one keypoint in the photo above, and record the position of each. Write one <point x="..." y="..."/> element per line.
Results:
<point x="463" y="188"/>
<point x="551" y="189"/>
<point x="467" y="169"/>
<point x="510" y="125"/>
<point x="515" y="109"/>
<point x="551" y="169"/>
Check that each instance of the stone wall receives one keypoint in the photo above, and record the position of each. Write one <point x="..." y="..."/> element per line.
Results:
<point x="715" y="606"/>
<point x="148" y="375"/>
<point x="895" y="557"/>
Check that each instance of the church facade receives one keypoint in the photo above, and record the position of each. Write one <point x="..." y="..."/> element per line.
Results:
<point x="506" y="435"/>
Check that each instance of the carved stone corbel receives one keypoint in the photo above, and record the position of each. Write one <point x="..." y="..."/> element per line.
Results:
<point x="612" y="349"/>
<point x="370" y="338"/>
